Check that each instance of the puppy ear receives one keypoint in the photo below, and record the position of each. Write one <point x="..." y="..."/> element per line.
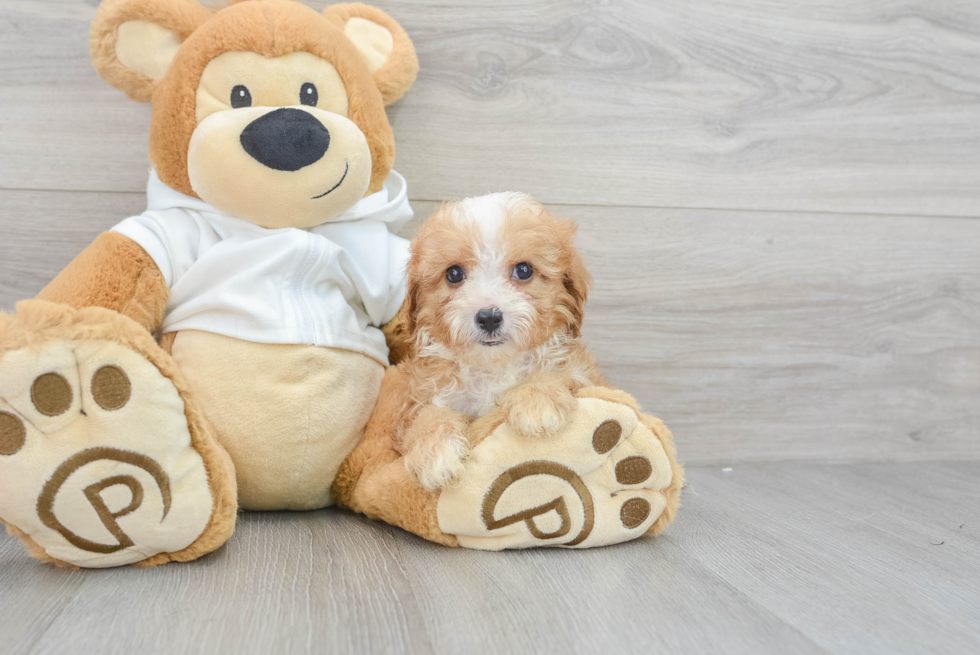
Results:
<point x="575" y="278"/>
<point x="133" y="42"/>
<point x="412" y="299"/>
<point x="383" y="44"/>
<point x="411" y="318"/>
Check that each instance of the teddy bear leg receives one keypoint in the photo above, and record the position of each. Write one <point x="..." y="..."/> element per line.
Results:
<point x="373" y="479"/>
<point x="105" y="458"/>
<point x="609" y="476"/>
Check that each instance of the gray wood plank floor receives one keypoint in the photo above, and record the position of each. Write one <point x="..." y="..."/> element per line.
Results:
<point x="768" y="558"/>
<point x="778" y="202"/>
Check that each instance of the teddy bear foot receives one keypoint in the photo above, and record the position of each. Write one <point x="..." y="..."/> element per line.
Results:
<point x="102" y="461"/>
<point x="608" y="476"/>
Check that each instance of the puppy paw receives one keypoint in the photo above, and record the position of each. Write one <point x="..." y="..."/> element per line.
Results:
<point x="436" y="462"/>
<point x="538" y="411"/>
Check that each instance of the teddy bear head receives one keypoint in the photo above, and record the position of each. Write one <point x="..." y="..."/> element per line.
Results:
<point x="265" y="109"/>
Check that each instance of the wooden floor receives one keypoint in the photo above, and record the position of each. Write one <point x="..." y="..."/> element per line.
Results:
<point x="766" y="558"/>
<point x="780" y="202"/>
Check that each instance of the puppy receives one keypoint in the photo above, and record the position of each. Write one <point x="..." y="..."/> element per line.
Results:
<point x="496" y="294"/>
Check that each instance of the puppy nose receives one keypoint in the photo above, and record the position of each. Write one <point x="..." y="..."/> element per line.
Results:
<point x="286" y="139"/>
<point x="489" y="319"/>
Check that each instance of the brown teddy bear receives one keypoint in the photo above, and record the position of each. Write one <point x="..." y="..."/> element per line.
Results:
<point x="268" y="263"/>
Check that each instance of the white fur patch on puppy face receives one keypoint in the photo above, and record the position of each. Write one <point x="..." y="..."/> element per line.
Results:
<point x="489" y="286"/>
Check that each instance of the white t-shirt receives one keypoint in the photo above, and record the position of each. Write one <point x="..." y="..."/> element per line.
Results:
<point x="330" y="285"/>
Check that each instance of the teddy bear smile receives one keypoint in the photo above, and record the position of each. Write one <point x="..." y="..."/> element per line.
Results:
<point x="334" y="187"/>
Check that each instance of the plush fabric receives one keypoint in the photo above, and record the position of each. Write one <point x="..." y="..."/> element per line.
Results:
<point x="271" y="29"/>
<point x="609" y="476"/>
<point x="114" y="273"/>
<point x="43" y="338"/>
<point x="373" y="41"/>
<point x="179" y="17"/>
<point x="117" y="449"/>
<point x="131" y="51"/>
<point x="264" y="165"/>
<point x="373" y="480"/>
<point x="568" y="489"/>
<point x="287" y="415"/>
<point x="397" y="73"/>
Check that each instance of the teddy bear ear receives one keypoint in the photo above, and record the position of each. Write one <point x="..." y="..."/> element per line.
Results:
<point x="383" y="44"/>
<point x="133" y="42"/>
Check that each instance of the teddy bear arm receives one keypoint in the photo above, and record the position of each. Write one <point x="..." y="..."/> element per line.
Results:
<point x="115" y="273"/>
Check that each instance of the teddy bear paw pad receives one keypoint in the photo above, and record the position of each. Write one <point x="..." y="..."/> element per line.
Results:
<point x="600" y="480"/>
<point x="96" y="463"/>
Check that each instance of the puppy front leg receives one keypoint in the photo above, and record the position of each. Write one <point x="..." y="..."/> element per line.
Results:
<point x="539" y="406"/>
<point x="435" y="446"/>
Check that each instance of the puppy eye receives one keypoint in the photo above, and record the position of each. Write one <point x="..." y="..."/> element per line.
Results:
<point x="240" y="97"/>
<point x="523" y="271"/>
<point x="308" y="95"/>
<point x="455" y="274"/>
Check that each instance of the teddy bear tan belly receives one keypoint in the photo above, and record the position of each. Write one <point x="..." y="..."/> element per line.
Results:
<point x="288" y="415"/>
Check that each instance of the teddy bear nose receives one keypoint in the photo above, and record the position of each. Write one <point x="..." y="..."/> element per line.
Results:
<point x="286" y="139"/>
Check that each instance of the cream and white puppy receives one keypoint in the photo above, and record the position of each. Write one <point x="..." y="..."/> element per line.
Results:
<point x="496" y="295"/>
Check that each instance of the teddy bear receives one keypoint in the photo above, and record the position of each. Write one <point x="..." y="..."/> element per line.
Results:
<point x="232" y="346"/>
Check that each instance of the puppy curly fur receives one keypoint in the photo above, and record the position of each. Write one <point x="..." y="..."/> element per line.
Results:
<point x="527" y="367"/>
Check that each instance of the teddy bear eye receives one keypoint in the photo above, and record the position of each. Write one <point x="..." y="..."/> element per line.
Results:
<point x="455" y="274"/>
<point x="240" y="97"/>
<point x="308" y="95"/>
<point x="523" y="271"/>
